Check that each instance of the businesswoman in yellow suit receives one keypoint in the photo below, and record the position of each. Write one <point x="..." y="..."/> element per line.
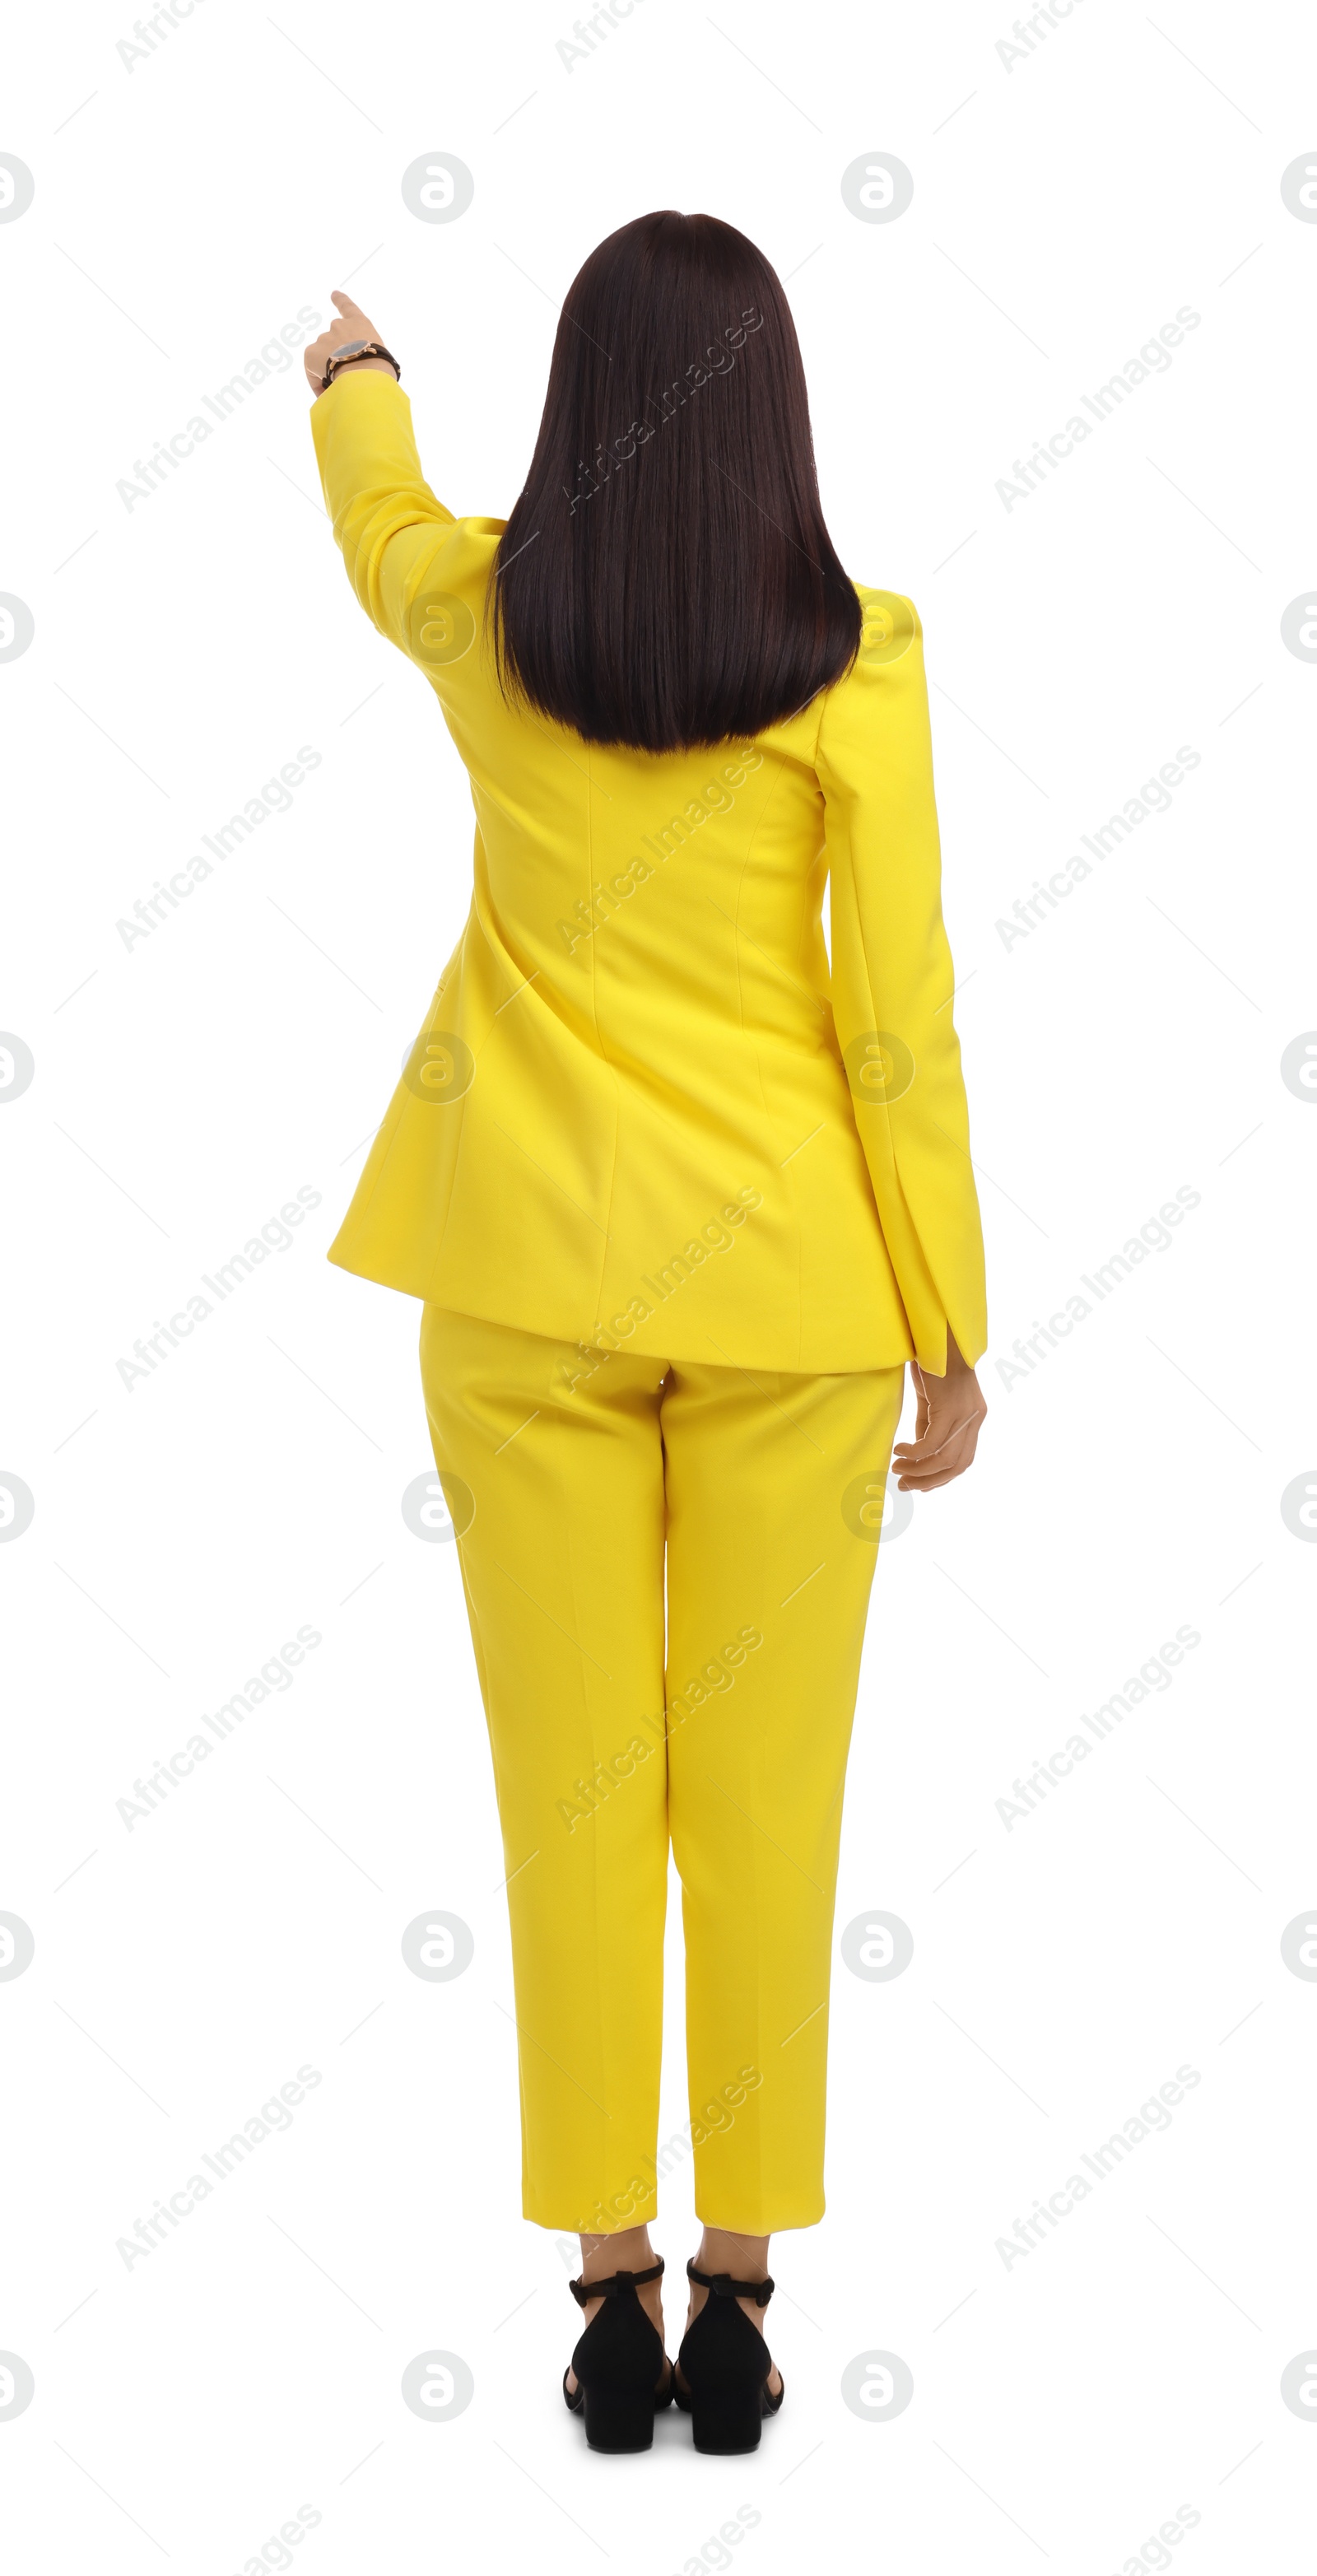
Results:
<point x="680" y="1198"/>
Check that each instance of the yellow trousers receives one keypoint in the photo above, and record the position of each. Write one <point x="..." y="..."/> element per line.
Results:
<point x="568" y="1472"/>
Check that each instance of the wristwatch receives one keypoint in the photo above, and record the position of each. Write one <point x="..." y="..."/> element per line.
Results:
<point x="356" y="349"/>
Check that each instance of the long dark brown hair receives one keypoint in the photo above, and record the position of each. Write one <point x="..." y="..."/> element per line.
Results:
<point x="666" y="577"/>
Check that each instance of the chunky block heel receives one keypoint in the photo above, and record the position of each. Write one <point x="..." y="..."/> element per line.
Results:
<point x="623" y="2375"/>
<point x="618" y="2419"/>
<point x="726" y="2365"/>
<point x="727" y="2421"/>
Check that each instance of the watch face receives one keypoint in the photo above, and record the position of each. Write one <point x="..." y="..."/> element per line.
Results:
<point x="349" y="348"/>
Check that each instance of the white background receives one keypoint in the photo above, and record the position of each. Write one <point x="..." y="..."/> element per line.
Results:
<point x="1065" y="207"/>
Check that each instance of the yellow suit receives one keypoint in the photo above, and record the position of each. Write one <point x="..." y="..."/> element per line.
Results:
<point x="679" y="1202"/>
<point x="636" y="1059"/>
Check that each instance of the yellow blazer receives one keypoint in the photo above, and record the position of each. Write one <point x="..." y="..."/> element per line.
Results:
<point x="642" y="1110"/>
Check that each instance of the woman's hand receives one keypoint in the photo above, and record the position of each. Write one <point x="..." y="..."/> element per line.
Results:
<point x="353" y="326"/>
<point x="946" y="1426"/>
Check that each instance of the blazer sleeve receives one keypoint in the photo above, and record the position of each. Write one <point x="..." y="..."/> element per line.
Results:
<point x="892" y="980"/>
<point x="390" y="527"/>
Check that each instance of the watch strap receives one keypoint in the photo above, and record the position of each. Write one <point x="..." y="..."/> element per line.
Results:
<point x="344" y="355"/>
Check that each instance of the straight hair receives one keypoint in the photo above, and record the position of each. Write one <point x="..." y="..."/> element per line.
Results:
<point x="666" y="578"/>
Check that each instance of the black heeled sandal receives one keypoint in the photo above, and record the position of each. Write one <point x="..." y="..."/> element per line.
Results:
<point x="726" y="2365"/>
<point x="618" y="2390"/>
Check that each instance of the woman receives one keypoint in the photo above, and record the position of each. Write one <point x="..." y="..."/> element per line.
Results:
<point x="680" y="1200"/>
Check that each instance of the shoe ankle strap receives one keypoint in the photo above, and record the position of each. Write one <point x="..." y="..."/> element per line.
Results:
<point x="617" y="2283"/>
<point x="724" y="2287"/>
